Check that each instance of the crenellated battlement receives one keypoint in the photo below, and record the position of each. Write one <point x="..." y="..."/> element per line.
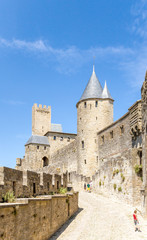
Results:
<point x="41" y="119"/>
<point x="28" y="183"/>
<point x="41" y="107"/>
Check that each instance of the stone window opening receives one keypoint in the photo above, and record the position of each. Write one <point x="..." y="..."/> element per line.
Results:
<point x="85" y="104"/>
<point x="61" y="139"/>
<point x="121" y="129"/>
<point x="37" y="147"/>
<point x="140" y="157"/>
<point x="103" y="138"/>
<point x="90" y="106"/>
<point x="95" y="140"/>
<point x="80" y="118"/>
<point x="96" y="103"/>
<point x="69" y="177"/>
<point x="48" y="186"/>
<point x="96" y="118"/>
<point x="68" y="139"/>
<point x="85" y="161"/>
<point x="82" y="131"/>
<point x="54" y="137"/>
<point x="97" y="159"/>
<point x="111" y="134"/>
<point x="82" y="144"/>
<point x="28" y="146"/>
<point x="45" y="148"/>
<point x="57" y="184"/>
<point x="14" y="188"/>
<point x="34" y="188"/>
<point x="45" y="161"/>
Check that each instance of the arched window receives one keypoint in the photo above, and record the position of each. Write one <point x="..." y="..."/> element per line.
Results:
<point x="45" y="161"/>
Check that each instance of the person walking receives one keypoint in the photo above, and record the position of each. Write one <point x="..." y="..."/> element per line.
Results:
<point x="88" y="187"/>
<point x="136" y="222"/>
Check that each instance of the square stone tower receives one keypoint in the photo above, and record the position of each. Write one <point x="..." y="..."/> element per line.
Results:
<point x="41" y="119"/>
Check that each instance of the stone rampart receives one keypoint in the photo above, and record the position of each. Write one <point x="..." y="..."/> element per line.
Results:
<point x="27" y="183"/>
<point x="116" y="162"/>
<point x="36" y="219"/>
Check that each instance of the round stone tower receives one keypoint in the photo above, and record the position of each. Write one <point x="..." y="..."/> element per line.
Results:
<point x="94" y="112"/>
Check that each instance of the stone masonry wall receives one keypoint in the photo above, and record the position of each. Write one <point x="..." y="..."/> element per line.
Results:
<point x="36" y="219"/>
<point x="59" y="140"/>
<point x="34" y="154"/>
<point x="27" y="183"/>
<point x="91" y="118"/>
<point x="117" y="158"/>
<point x="65" y="159"/>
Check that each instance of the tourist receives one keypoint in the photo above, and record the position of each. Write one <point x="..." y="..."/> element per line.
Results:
<point x="136" y="222"/>
<point x="88" y="187"/>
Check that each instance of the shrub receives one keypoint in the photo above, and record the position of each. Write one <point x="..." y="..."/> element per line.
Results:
<point x="100" y="183"/>
<point x="120" y="189"/>
<point x="138" y="169"/>
<point x="117" y="171"/>
<point x="63" y="190"/>
<point x="114" y="186"/>
<point x="104" y="177"/>
<point x="123" y="177"/>
<point x="103" y="183"/>
<point x="8" y="197"/>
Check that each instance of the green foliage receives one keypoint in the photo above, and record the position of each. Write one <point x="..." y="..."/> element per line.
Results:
<point x="114" y="186"/>
<point x="120" y="189"/>
<point x="100" y="183"/>
<point x="103" y="183"/>
<point x="8" y="197"/>
<point x="116" y="171"/>
<point x="123" y="177"/>
<point x="62" y="190"/>
<point x="138" y="169"/>
<point x="104" y="177"/>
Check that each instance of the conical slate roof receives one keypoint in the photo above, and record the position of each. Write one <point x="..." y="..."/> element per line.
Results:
<point x="106" y="93"/>
<point x="93" y="88"/>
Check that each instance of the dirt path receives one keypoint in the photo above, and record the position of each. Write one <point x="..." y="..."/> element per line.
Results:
<point x="100" y="218"/>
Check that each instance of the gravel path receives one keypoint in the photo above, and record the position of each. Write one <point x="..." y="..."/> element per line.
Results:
<point x="101" y="218"/>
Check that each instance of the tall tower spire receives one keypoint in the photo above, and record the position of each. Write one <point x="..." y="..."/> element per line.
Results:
<point x="93" y="68"/>
<point x="93" y="64"/>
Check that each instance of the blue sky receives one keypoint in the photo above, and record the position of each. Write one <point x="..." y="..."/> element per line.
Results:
<point x="46" y="57"/>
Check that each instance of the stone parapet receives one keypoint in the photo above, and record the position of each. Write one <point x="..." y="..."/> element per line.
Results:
<point x="36" y="219"/>
<point x="28" y="183"/>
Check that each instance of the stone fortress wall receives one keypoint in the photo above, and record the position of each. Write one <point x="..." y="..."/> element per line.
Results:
<point x="36" y="219"/>
<point x="59" y="140"/>
<point x="28" y="183"/>
<point x="117" y="159"/>
<point x="105" y="151"/>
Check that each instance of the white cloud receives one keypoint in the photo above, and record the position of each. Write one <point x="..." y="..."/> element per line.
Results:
<point x="13" y="102"/>
<point x="68" y="59"/>
<point x="132" y="61"/>
<point x="139" y="11"/>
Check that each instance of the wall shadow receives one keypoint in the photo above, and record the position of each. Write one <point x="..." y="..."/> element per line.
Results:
<point x="64" y="226"/>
